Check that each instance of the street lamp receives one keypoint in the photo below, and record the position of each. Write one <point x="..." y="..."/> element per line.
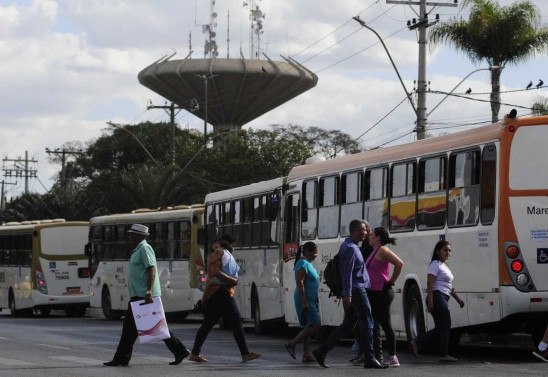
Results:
<point x="460" y="82"/>
<point x="363" y="24"/>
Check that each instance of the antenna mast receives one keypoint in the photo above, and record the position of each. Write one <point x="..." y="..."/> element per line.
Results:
<point x="256" y="27"/>
<point x="210" y="47"/>
<point x="228" y="34"/>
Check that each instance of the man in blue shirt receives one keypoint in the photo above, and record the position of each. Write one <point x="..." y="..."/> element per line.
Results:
<point x="357" y="310"/>
<point x="143" y="283"/>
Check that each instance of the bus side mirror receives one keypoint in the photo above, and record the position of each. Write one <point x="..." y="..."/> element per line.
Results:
<point x="201" y="237"/>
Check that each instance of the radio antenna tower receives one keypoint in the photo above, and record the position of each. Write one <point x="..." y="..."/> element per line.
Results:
<point x="228" y="34"/>
<point x="256" y="29"/>
<point x="210" y="48"/>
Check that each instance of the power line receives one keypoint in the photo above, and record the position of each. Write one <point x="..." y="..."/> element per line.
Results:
<point x="480" y="100"/>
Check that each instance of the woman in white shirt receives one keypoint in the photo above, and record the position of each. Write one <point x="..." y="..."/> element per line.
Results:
<point x="439" y="289"/>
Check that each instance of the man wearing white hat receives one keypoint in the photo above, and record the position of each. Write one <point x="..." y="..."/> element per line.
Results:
<point x="143" y="283"/>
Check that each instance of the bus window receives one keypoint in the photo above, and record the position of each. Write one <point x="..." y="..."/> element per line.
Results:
<point x="159" y="243"/>
<point x="247" y="215"/>
<point x="256" y="227"/>
<point x="210" y="222"/>
<point x="351" y="199"/>
<point x="265" y="223"/>
<point x="328" y="216"/>
<point x="463" y="205"/>
<point x="309" y="210"/>
<point x="108" y="251"/>
<point x="227" y="218"/>
<point x="488" y="183"/>
<point x="121" y="245"/>
<point x="291" y="216"/>
<point x="403" y="201"/>
<point x="218" y="220"/>
<point x="183" y="251"/>
<point x="237" y="228"/>
<point x="431" y="203"/>
<point x="171" y="241"/>
<point x="376" y="197"/>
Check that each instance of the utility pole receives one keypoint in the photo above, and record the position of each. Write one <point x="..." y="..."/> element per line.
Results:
<point x="20" y="169"/>
<point x="172" y="110"/>
<point x="205" y="78"/>
<point x="64" y="154"/>
<point x="2" y="198"/>
<point x="422" y="24"/>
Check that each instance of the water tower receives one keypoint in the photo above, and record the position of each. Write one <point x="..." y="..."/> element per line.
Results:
<point x="229" y="92"/>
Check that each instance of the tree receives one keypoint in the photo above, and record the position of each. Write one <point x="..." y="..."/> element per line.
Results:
<point x="497" y="35"/>
<point x="540" y="107"/>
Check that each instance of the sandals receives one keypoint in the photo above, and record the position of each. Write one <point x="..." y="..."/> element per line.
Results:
<point x="291" y="350"/>
<point x="309" y="359"/>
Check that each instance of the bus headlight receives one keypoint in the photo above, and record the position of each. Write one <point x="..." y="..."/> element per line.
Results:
<point x="523" y="279"/>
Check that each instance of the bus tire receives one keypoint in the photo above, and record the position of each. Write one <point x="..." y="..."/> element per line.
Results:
<point x="256" y="308"/>
<point x="107" y="306"/>
<point x="413" y="313"/>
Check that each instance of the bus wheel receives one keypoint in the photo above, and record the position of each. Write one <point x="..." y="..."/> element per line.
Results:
<point x="259" y="327"/>
<point x="13" y="309"/>
<point x="106" y="305"/>
<point x="414" y="319"/>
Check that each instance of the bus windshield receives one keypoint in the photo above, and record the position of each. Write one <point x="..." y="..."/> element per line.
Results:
<point x="528" y="159"/>
<point x="64" y="240"/>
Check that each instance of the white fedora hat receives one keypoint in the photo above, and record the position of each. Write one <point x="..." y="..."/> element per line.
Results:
<point x="139" y="229"/>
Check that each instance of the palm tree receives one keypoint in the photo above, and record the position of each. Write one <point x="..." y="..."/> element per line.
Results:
<point x="497" y="35"/>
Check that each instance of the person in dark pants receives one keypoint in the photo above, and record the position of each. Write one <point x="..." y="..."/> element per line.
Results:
<point x="222" y="277"/>
<point x="381" y="293"/>
<point x="357" y="310"/>
<point x="143" y="283"/>
<point x="439" y="288"/>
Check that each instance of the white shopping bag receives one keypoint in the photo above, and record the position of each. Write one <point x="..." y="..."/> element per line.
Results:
<point x="150" y="320"/>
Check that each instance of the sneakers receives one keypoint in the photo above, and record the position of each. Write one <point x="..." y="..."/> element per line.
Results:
<point x="393" y="361"/>
<point x="543" y="355"/>
<point x="198" y="358"/>
<point x="250" y="356"/>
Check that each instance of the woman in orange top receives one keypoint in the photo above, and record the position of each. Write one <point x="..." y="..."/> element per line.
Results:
<point x="222" y="277"/>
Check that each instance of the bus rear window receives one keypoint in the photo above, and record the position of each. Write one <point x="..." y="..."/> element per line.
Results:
<point x="67" y="240"/>
<point x="528" y="162"/>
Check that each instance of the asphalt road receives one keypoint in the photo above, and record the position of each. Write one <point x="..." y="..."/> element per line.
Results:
<point x="60" y="346"/>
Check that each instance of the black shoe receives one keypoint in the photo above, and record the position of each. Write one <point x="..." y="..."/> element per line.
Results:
<point x="374" y="364"/>
<point x="180" y="357"/>
<point x="116" y="363"/>
<point x="320" y="359"/>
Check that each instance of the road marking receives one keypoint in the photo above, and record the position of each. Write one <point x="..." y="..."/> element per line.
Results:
<point x="14" y="363"/>
<point x="80" y="360"/>
<point x="52" y="346"/>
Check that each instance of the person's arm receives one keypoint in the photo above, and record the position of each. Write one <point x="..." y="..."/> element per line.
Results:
<point x="299" y="280"/>
<point x="151" y="275"/>
<point x="387" y="255"/>
<point x="347" y="265"/>
<point x="430" y="292"/>
<point x="229" y="279"/>
<point x="457" y="298"/>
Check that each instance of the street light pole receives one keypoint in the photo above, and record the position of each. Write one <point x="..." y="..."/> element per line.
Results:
<point x="363" y="24"/>
<point x="460" y="82"/>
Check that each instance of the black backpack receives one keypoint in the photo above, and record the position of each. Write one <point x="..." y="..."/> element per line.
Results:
<point x="332" y="276"/>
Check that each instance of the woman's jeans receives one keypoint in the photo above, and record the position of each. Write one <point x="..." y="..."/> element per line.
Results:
<point x="442" y="322"/>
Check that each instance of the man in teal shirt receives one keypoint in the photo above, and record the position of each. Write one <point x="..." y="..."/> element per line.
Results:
<point x="143" y="283"/>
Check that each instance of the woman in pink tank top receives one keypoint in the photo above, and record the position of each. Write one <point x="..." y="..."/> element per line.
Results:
<point x="380" y="293"/>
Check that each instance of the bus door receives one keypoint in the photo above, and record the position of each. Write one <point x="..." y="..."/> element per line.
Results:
<point x="290" y="242"/>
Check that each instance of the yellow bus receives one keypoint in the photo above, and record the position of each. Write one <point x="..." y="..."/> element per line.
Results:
<point x="43" y="267"/>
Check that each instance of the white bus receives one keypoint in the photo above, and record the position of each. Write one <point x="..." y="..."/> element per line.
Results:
<point x="484" y="190"/>
<point x="180" y="260"/>
<point x="43" y="267"/>
<point x="249" y="214"/>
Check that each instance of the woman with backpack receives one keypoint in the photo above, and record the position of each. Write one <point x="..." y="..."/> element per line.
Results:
<point x="306" y="300"/>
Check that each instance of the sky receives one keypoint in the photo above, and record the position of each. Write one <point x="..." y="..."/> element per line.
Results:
<point x="69" y="66"/>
